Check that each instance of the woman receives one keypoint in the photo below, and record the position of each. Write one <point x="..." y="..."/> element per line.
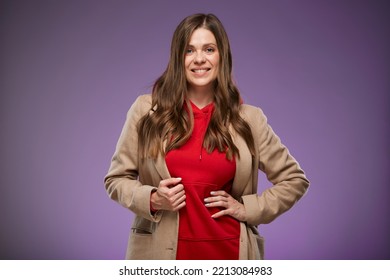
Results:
<point x="188" y="157"/>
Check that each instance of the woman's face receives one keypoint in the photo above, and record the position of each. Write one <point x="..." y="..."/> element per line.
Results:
<point x="201" y="60"/>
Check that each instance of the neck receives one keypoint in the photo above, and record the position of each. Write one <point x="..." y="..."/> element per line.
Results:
<point x="201" y="96"/>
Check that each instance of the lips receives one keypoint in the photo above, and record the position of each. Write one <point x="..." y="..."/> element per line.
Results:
<point x="200" y="70"/>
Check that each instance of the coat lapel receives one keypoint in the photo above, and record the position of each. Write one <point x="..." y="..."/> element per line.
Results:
<point x="161" y="165"/>
<point x="243" y="166"/>
<point x="162" y="168"/>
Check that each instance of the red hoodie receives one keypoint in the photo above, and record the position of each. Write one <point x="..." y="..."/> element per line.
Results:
<point x="200" y="236"/>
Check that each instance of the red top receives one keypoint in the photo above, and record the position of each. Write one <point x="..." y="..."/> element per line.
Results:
<point x="200" y="236"/>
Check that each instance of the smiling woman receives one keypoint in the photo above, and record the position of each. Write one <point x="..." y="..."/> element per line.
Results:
<point x="201" y="63"/>
<point x="188" y="158"/>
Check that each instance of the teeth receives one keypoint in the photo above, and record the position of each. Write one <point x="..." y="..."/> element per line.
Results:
<point x="200" y="70"/>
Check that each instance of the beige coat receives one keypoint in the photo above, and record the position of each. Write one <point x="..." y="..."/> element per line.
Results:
<point x="130" y="181"/>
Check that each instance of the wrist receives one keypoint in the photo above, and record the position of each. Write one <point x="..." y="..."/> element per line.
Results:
<point x="152" y="200"/>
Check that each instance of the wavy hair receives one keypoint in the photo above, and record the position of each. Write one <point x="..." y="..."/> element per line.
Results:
<point x="169" y="121"/>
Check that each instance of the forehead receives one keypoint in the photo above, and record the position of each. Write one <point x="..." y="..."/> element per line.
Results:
<point x="202" y="36"/>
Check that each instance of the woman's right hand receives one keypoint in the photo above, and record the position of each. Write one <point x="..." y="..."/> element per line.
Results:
<point x="169" y="195"/>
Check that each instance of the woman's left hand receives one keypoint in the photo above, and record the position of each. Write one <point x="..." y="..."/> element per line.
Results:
<point x="225" y="200"/>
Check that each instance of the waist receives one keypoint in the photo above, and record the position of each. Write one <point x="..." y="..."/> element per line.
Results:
<point x="195" y="221"/>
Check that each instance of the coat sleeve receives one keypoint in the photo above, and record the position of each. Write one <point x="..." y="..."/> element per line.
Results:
<point x="121" y="182"/>
<point x="282" y="170"/>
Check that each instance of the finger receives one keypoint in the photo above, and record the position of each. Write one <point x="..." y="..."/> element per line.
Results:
<point x="181" y="205"/>
<point x="179" y="201"/>
<point x="220" y="203"/>
<point x="171" y="192"/>
<point x="219" y="193"/>
<point x="216" y="199"/>
<point x="178" y="195"/>
<point x="170" y="182"/>
<point x="173" y="199"/>
<point x="176" y="188"/>
<point x="219" y="214"/>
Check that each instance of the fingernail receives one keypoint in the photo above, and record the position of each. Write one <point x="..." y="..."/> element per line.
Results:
<point x="212" y="192"/>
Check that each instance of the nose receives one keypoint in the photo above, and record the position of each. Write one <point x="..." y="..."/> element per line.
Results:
<point x="199" y="58"/>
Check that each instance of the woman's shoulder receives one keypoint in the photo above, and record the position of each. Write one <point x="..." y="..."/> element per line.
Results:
<point x="255" y="118"/>
<point x="252" y="113"/>
<point x="144" y="100"/>
<point x="141" y="105"/>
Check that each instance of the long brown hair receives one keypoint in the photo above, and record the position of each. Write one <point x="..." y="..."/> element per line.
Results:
<point x="169" y="120"/>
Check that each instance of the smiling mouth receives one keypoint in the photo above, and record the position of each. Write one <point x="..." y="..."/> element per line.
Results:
<point x="200" y="70"/>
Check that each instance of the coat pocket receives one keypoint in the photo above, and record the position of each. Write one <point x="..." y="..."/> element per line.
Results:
<point x="142" y="225"/>
<point x="140" y="242"/>
<point x="140" y="245"/>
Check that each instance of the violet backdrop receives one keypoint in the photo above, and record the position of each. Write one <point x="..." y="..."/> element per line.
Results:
<point x="71" y="69"/>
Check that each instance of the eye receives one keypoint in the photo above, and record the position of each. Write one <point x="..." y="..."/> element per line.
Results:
<point x="210" y="50"/>
<point x="189" y="51"/>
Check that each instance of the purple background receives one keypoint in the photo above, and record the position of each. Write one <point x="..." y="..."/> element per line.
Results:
<point x="71" y="69"/>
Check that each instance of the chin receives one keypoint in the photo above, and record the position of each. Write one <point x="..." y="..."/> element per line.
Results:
<point x="200" y="85"/>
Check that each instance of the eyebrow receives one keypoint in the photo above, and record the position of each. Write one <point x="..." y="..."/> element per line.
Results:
<point x="207" y="44"/>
